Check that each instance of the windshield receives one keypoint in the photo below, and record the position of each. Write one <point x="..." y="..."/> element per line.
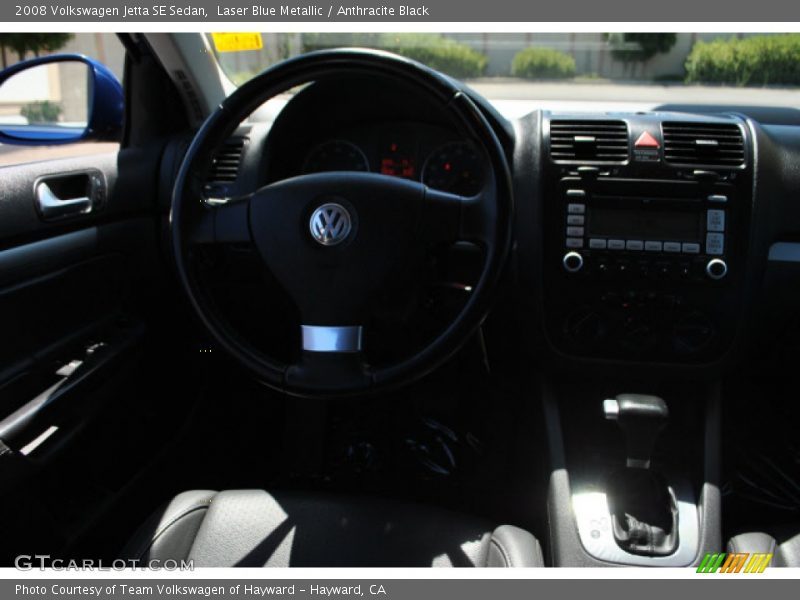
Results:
<point x="647" y="69"/>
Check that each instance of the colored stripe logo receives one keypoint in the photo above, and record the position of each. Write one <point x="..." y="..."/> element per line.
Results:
<point x="734" y="562"/>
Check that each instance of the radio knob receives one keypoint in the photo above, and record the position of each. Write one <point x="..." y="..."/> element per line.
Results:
<point x="716" y="268"/>
<point x="572" y="261"/>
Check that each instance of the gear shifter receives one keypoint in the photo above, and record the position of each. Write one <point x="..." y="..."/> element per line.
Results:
<point x="644" y="510"/>
<point x="641" y="419"/>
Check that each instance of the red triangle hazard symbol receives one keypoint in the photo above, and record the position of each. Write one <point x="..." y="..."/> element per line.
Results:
<point x="646" y="141"/>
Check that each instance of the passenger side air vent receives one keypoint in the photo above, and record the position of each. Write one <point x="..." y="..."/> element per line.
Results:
<point x="588" y="141"/>
<point x="226" y="161"/>
<point x="703" y="144"/>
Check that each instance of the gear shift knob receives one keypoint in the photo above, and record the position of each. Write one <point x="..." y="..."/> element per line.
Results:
<point x="641" y="418"/>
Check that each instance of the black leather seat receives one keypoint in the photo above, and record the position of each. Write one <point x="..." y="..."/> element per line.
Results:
<point x="247" y="528"/>
<point x="783" y="544"/>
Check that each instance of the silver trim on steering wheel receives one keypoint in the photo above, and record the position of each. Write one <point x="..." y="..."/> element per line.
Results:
<point x="317" y="338"/>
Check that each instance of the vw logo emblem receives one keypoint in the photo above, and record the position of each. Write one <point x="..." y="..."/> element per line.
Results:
<point x="330" y="224"/>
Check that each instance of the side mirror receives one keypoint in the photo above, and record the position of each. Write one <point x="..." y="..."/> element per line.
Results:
<point x="59" y="99"/>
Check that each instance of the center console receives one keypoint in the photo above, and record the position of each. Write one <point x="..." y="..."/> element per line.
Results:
<point x="634" y="478"/>
<point x="645" y="219"/>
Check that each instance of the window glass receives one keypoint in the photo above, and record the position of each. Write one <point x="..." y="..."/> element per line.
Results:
<point x="652" y="69"/>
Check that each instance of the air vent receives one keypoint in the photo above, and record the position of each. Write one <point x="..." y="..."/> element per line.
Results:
<point x="226" y="161"/>
<point x="703" y="144"/>
<point x="589" y="141"/>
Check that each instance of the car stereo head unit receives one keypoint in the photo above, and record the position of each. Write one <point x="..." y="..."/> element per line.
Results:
<point x="666" y="228"/>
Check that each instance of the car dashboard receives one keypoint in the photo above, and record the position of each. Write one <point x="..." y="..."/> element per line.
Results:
<point x="640" y="237"/>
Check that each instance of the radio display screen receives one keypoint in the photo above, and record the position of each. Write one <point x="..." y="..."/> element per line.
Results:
<point x="678" y="226"/>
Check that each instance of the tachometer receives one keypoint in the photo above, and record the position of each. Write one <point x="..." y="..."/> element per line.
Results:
<point x="335" y="155"/>
<point x="455" y="167"/>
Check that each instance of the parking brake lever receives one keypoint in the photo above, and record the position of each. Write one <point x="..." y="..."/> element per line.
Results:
<point x="641" y="418"/>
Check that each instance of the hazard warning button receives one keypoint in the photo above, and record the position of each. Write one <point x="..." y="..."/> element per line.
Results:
<point x="646" y="140"/>
<point x="646" y="148"/>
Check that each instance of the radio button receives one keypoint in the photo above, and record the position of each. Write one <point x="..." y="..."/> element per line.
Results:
<point x="575" y="231"/>
<point x="690" y="248"/>
<point x="576" y="194"/>
<point x="672" y="246"/>
<point x="597" y="244"/>
<point x="634" y="245"/>
<point x="574" y="243"/>
<point x="572" y="261"/>
<point x="716" y="269"/>
<point x="717" y="198"/>
<point x="653" y="246"/>
<point x="576" y="209"/>
<point x="616" y="244"/>
<point x="715" y="220"/>
<point x="575" y="219"/>
<point x="715" y="243"/>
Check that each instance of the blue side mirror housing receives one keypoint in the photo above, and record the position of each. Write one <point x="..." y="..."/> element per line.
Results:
<point x="42" y="121"/>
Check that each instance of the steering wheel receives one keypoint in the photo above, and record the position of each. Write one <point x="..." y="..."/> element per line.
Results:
<point x="333" y="240"/>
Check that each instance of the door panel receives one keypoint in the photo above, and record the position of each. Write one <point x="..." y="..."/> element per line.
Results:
<point x="65" y="282"/>
<point x="71" y="327"/>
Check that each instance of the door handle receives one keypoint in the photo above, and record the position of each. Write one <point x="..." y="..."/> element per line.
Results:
<point x="51" y="207"/>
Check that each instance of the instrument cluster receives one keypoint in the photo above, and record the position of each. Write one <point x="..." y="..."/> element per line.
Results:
<point x="432" y="157"/>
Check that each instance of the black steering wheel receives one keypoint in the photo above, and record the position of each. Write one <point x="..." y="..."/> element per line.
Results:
<point x="332" y="240"/>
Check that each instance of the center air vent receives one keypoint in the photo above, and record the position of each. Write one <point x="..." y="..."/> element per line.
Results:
<point x="226" y="161"/>
<point x="588" y="141"/>
<point x="703" y="144"/>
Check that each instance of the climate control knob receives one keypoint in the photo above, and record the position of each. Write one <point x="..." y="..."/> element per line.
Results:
<point x="716" y="268"/>
<point x="572" y="261"/>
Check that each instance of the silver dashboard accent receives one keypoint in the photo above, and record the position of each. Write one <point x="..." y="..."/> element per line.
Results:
<point x="784" y="252"/>
<point x="318" y="338"/>
<point x="330" y="224"/>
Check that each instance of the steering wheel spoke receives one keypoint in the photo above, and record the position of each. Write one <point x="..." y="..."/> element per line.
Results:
<point x="326" y="338"/>
<point x="331" y="356"/>
<point x="453" y="218"/>
<point x="225" y="223"/>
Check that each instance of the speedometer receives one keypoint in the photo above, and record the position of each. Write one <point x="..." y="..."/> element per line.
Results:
<point x="335" y="155"/>
<point x="455" y="167"/>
